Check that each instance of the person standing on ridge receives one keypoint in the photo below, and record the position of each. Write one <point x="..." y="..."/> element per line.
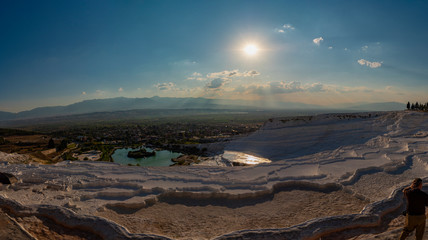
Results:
<point x="415" y="212"/>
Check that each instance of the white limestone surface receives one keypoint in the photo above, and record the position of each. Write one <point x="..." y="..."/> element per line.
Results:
<point x="368" y="154"/>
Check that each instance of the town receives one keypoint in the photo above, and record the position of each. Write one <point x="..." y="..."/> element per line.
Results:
<point x="99" y="141"/>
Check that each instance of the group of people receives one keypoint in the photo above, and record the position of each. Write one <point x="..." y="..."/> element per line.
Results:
<point x="415" y="211"/>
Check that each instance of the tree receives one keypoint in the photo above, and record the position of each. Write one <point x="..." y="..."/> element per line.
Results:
<point x="62" y="145"/>
<point x="408" y="105"/>
<point x="51" y="143"/>
<point x="412" y="107"/>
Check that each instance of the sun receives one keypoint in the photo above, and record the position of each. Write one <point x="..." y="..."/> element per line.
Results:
<point x="251" y="49"/>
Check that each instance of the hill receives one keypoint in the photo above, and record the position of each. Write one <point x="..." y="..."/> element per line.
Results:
<point x="124" y="104"/>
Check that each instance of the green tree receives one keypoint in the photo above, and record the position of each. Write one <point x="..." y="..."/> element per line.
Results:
<point x="408" y="105"/>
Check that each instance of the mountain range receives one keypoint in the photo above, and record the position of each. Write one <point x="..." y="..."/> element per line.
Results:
<point x="124" y="104"/>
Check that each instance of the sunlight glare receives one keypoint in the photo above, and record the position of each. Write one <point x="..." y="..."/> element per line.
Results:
<point x="251" y="49"/>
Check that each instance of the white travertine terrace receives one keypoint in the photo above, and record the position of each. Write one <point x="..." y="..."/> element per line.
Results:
<point x="371" y="155"/>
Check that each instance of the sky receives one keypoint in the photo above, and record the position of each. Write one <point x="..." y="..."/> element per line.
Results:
<point x="316" y="52"/>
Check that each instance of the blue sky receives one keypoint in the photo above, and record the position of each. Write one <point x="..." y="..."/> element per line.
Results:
<point x="323" y="52"/>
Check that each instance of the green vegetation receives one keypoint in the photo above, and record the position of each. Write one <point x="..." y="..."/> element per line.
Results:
<point x="6" y="132"/>
<point x="68" y="156"/>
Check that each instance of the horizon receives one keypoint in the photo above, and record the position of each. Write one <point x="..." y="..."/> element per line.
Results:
<point x="239" y="104"/>
<point x="329" y="53"/>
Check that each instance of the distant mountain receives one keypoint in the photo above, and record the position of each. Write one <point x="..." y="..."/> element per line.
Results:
<point x="6" y="115"/>
<point x="124" y="104"/>
<point x="117" y="104"/>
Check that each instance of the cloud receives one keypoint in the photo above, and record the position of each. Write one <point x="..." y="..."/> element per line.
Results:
<point x="185" y="62"/>
<point x="240" y="89"/>
<point x="250" y="73"/>
<point x="83" y="93"/>
<point x="284" y="88"/>
<point x="224" y="74"/>
<point x="318" y="41"/>
<point x="165" y="86"/>
<point x="216" y="83"/>
<point x="345" y="89"/>
<point x="120" y="89"/>
<point x="364" y="48"/>
<point x="330" y="48"/>
<point x="369" y="64"/>
<point x="196" y="76"/>
<point x="233" y="73"/>
<point x="316" y="87"/>
<point x="288" y="26"/>
<point x="284" y="28"/>
<point x="100" y="93"/>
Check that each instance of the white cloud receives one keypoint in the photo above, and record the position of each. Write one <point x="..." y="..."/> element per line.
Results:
<point x="284" y="88"/>
<point x="165" y="86"/>
<point x="120" y="89"/>
<point x="288" y="26"/>
<point x="284" y="28"/>
<point x="83" y="93"/>
<point x="330" y="48"/>
<point x="233" y="73"/>
<point x="364" y="48"/>
<point x="224" y="74"/>
<point x="369" y="64"/>
<point x="318" y="41"/>
<point x="100" y="92"/>
<point x="196" y="76"/>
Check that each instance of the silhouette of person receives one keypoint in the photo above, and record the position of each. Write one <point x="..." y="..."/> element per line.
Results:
<point x="415" y="212"/>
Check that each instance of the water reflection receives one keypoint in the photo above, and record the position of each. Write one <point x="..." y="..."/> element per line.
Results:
<point x="162" y="158"/>
<point x="243" y="158"/>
